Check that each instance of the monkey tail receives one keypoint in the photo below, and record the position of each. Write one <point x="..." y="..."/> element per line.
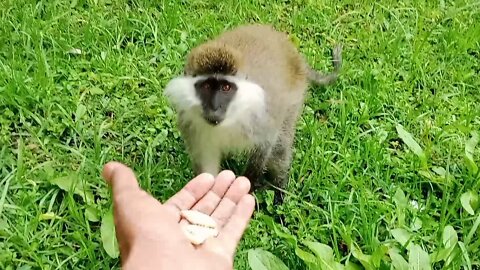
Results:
<point x="327" y="79"/>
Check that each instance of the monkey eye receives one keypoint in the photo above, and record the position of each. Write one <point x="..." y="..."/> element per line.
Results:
<point x="226" y="87"/>
<point x="205" y="86"/>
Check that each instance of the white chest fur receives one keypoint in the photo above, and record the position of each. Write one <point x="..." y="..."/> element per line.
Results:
<point x="244" y="124"/>
<point x="224" y="138"/>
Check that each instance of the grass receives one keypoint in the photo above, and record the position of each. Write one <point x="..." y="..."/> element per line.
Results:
<point x="63" y="115"/>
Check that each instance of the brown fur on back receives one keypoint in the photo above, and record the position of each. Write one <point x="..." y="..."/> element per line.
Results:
<point x="267" y="53"/>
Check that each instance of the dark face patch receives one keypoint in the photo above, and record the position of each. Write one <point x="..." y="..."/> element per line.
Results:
<point x="215" y="95"/>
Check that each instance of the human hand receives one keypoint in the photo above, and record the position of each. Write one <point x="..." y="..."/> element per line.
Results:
<point x="149" y="232"/>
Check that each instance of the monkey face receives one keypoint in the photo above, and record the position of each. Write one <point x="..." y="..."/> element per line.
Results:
<point x="215" y="95"/>
<point x="213" y="99"/>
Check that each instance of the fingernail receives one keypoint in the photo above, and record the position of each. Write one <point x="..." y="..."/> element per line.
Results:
<point x="228" y="173"/>
<point x="207" y="177"/>
<point x="108" y="170"/>
<point x="245" y="182"/>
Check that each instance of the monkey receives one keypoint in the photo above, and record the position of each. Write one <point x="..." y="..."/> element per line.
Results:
<point x="243" y="92"/>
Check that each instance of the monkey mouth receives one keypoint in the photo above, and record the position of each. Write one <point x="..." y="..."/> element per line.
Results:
<point x="213" y="121"/>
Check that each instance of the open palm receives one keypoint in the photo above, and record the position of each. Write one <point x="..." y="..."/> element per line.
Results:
<point x="149" y="232"/>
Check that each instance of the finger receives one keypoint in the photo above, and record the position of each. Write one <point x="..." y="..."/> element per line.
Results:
<point x="211" y="200"/>
<point x="192" y="192"/>
<point x="120" y="178"/>
<point x="233" y="230"/>
<point x="225" y="208"/>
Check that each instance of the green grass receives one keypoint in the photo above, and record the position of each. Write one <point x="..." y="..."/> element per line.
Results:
<point x="414" y="63"/>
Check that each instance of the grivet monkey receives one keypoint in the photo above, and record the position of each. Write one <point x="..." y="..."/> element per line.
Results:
<point x="242" y="92"/>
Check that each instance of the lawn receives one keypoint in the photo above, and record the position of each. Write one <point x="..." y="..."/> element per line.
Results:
<point x="385" y="164"/>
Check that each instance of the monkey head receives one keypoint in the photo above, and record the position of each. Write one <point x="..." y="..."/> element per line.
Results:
<point x="213" y="61"/>
<point x="212" y="86"/>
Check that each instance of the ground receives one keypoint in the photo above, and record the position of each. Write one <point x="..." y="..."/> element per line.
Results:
<point x="81" y="84"/>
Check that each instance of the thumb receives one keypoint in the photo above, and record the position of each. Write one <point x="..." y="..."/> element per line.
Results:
<point x="120" y="178"/>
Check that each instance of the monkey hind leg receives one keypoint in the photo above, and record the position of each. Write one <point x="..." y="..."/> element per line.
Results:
<point x="278" y="168"/>
<point x="256" y="165"/>
<point x="273" y="178"/>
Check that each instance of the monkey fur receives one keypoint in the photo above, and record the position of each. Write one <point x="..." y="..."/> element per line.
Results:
<point x="243" y="92"/>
